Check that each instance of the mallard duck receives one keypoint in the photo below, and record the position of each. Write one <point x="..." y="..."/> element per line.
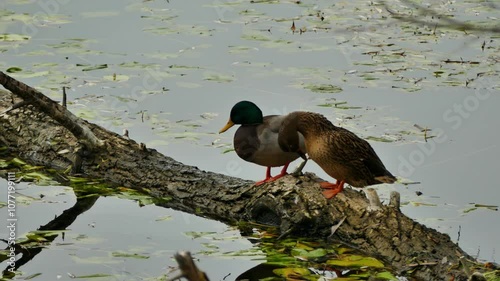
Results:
<point x="256" y="140"/>
<point x="339" y="152"/>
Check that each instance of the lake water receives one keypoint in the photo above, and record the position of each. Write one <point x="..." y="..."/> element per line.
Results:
<point x="170" y="72"/>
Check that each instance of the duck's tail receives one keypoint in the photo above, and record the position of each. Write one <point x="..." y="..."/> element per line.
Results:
<point x="386" y="178"/>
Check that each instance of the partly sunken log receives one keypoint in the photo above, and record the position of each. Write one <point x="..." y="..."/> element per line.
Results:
<point x="37" y="133"/>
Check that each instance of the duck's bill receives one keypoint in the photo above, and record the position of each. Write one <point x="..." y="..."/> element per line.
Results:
<point x="228" y="125"/>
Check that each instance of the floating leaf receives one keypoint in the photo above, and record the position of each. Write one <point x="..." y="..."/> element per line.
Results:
<point x="142" y="198"/>
<point x="418" y="204"/>
<point x="339" y="105"/>
<point x="164" y="218"/>
<point x="477" y="206"/>
<point x="139" y="65"/>
<point x="47" y="233"/>
<point x="380" y="139"/>
<point x="468" y="210"/>
<point x="25" y="200"/>
<point x="216" y="77"/>
<point x="13" y="37"/>
<point x="292" y="273"/>
<point x="14" y="69"/>
<point x="317" y="253"/>
<point x="241" y="49"/>
<point x="255" y="36"/>
<point x="94" y="67"/>
<point x="116" y="78"/>
<point x="300" y="245"/>
<point x="95" y="260"/>
<point x="356" y="261"/>
<point x="36" y="176"/>
<point x="209" y="115"/>
<point x="127" y="255"/>
<point x="491" y="207"/>
<point x="493" y="275"/>
<point x="78" y="180"/>
<point x="438" y="73"/>
<point x="17" y="162"/>
<point x="333" y="104"/>
<point x="210" y="246"/>
<point x="97" y="275"/>
<point x="323" y="88"/>
<point x="36" y="237"/>
<point x="280" y="259"/>
<point x="30" y="74"/>
<point x="194" y="234"/>
<point x="176" y="66"/>
<point x="32" y="276"/>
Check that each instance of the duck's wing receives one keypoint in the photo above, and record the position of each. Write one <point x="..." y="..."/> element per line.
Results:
<point x="358" y="153"/>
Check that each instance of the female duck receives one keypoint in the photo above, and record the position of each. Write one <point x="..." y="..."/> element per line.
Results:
<point x="339" y="152"/>
<point x="256" y="140"/>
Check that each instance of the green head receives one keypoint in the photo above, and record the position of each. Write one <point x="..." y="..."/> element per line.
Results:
<point x="244" y="113"/>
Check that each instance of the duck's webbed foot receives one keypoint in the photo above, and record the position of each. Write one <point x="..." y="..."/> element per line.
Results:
<point x="332" y="189"/>
<point x="281" y="174"/>
<point x="268" y="177"/>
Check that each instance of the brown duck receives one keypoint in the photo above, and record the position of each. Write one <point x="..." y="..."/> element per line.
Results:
<point x="339" y="152"/>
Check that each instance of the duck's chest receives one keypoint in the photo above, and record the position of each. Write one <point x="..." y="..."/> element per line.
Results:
<point x="316" y="148"/>
<point x="322" y="149"/>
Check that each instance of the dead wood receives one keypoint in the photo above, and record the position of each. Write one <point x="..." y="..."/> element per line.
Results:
<point x="53" y="109"/>
<point x="295" y="204"/>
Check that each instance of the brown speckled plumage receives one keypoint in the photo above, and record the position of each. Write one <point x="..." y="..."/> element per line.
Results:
<point x="339" y="152"/>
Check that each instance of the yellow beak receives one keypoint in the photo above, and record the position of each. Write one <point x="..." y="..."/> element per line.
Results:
<point x="229" y="124"/>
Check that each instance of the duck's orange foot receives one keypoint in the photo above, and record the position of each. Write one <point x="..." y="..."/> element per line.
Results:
<point x="279" y="176"/>
<point x="270" y="179"/>
<point x="261" y="182"/>
<point x="332" y="189"/>
<point x="268" y="176"/>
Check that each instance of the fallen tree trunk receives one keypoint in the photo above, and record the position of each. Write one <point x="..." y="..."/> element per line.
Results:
<point x="295" y="204"/>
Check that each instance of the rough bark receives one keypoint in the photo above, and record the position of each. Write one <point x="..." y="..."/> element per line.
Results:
<point x="295" y="204"/>
<point x="55" y="110"/>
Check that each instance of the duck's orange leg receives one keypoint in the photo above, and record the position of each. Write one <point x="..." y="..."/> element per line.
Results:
<point x="268" y="176"/>
<point x="332" y="189"/>
<point x="281" y="174"/>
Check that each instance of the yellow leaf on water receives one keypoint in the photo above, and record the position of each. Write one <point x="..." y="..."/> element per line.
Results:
<point x="356" y="261"/>
<point x="291" y="272"/>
